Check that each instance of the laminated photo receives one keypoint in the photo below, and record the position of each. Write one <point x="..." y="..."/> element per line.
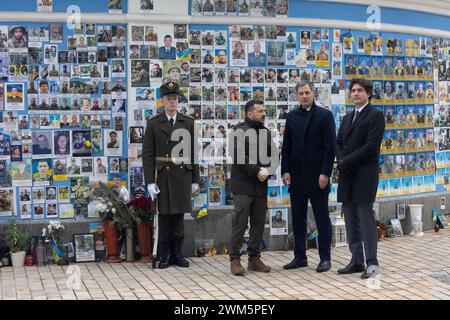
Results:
<point x="140" y="75"/>
<point x="60" y="170"/>
<point x="50" y="194"/>
<point x="238" y="54"/>
<point x="113" y="142"/>
<point x="7" y="202"/>
<point x="278" y="222"/>
<point x="21" y="173"/>
<point x="274" y="196"/>
<point x="276" y="53"/>
<point x="81" y="143"/>
<point x="56" y="33"/>
<point x="25" y="210"/>
<point x="44" y="5"/>
<point x="18" y="39"/>
<point x="244" y="7"/>
<point x="50" y="54"/>
<point x="42" y="143"/>
<point x="15" y="96"/>
<point x="42" y="172"/>
<point x="79" y="190"/>
<point x="215" y="196"/>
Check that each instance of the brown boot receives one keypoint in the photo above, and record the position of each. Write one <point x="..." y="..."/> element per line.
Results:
<point x="255" y="264"/>
<point x="236" y="267"/>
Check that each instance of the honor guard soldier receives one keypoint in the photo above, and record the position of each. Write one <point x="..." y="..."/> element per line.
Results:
<point x="172" y="178"/>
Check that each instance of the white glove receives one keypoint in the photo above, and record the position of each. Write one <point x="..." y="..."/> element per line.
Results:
<point x="124" y="194"/>
<point x="153" y="190"/>
<point x="194" y="187"/>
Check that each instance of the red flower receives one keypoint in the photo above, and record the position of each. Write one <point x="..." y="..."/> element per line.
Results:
<point x="132" y="202"/>
<point x="141" y="203"/>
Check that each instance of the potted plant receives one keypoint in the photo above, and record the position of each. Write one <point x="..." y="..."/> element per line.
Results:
<point x="114" y="214"/>
<point x="54" y="232"/>
<point x="141" y="207"/>
<point x="16" y="239"/>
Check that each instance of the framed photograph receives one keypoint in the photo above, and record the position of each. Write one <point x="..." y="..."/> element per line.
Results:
<point x="70" y="250"/>
<point x="401" y="210"/>
<point x="84" y="247"/>
<point x="396" y="228"/>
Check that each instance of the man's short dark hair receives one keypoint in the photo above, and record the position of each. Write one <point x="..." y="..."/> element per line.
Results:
<point x="168" y="36"/>
<point x="304" y="83"/>
<point x="250" y="106"/>
<point x="366" y="84"/>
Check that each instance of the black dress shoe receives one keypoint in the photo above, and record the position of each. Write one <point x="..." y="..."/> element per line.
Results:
<point x="351" y="268"/>
<point x="181" y="262"/>
<point x="296" y="263"/>
<point x="371" y="272"/>
<point x="324" y="266"/>
<point x="164" y="263"/>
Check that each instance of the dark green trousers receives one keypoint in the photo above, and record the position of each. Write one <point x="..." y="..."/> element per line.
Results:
<point x="246" y="206"/>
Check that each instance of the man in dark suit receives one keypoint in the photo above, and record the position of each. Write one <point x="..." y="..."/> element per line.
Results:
<point x="358" y="152"/>
<point x="307" y="163"/>
<point x="177" y="177"/>
<point x="167" y="52"/>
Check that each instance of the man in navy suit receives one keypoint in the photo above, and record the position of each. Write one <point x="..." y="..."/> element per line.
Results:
<point x="167" y="52"/>
<point x="307" y="163"/>
<point x="256" y="58"/>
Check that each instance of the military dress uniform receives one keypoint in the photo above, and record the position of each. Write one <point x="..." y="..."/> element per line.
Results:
<point x="174" y="178"/>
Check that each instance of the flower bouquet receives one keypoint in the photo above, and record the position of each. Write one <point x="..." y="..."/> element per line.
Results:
<point x="54" y="232"/>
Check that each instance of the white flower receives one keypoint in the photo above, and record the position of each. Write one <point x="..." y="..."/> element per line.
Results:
<point x="124" y="194"/>
<point x="114" y="210"/>
<point x="101" y="207"/>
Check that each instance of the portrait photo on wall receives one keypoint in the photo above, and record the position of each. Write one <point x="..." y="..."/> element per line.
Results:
<point x="42" y="171"/>
<point x="81" y="143"/>
<point x="15" y="96"/>
<point x="42" y="143"/>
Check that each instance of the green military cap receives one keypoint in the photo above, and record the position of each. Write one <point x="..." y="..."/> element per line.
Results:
<point x="169" y="88"/>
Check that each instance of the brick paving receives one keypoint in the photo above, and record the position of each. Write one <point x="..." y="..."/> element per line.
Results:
<point x="411" y="268"/>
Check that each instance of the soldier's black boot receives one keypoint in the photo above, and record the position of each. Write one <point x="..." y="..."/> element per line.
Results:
<point x="179" y="260"/>
<point x="164" y="253"/>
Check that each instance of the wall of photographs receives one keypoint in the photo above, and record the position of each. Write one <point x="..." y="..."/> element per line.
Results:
<point x="222" y="67"/>
<point x="403" y="82"/>
<point x="98" y="6"/>
<point x="403" y="71"/>
<point x="74" y="103"/>
<point x="442" y="123"/>
<point x="63" y="114"/>
<point x="243" y="8"/>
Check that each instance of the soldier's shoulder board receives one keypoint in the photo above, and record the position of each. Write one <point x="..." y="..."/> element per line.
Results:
<point x="188" y="116"/>
<point x="154" y="117"/>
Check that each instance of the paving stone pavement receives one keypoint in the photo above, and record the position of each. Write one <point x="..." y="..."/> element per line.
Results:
<point x="411" y="268"/>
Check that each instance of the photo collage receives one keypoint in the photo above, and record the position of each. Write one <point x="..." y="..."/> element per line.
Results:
<point x="404" y="90"/>
<point x="442" y="119"/>
<point x="219" y="70"/>
<point x="74" y="103"/>
<point x="244" y="8"/>
<point x="63" y="109"/>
